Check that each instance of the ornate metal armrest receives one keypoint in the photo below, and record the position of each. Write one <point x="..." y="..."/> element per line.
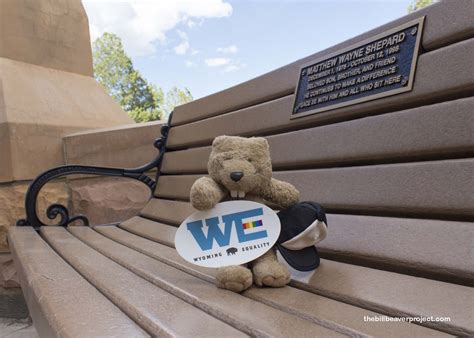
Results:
<point x="56" y="210"/>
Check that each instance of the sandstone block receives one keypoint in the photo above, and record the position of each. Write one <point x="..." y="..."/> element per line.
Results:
<point x="8" y="275"/>
<point x="59" y="103"/>
<point x="46" y="33"/>
<point x="12" y="201"/>
<point x="107" y="200"/>
<point x="125" y="146"/>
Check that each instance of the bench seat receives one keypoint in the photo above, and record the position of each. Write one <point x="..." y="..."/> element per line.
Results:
<point x="381" y="291"/>
<point x="53" y="290"/>
<point x="146" y="287"/>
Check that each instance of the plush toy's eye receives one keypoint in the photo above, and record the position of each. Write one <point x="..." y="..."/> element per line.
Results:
<point x="249" y="159"/>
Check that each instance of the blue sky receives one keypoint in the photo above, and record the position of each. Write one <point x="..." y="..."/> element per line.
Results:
<point x="210" y="45"/>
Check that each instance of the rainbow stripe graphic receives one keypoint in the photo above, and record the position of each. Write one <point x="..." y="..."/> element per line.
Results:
<point x="250" y="225"/>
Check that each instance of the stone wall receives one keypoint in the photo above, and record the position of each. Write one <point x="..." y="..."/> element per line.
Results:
<point x="48" y="33"/>
<point x="102" y="199"/>
<point x="12" y="200"/>
<point x="47" y="91"/>
<point x="45" y="56"/>
<point x="107" y="199"/>
<point x="110" y="199"/>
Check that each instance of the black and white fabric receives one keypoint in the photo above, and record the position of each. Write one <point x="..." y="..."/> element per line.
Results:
<point x="302" y="226"/>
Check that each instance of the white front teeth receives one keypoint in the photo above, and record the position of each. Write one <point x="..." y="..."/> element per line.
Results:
<point x="236" y="193"/>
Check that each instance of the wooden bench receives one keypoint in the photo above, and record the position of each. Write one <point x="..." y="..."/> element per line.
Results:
<point x="394" y="174"/>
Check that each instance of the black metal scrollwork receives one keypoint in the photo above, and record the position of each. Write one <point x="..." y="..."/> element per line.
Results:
<point x="58" y="210"/>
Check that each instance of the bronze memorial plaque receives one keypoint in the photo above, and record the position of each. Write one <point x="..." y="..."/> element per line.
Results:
<point x="377" y="67"/>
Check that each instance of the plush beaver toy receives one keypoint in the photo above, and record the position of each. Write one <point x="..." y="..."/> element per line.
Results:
<point x="241" y="168"/>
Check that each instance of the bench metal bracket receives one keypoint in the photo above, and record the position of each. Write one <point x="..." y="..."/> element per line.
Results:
<point x="55" y="210"/>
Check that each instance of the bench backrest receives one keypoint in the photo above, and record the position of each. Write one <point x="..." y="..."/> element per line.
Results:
<point x="394" y="174"/>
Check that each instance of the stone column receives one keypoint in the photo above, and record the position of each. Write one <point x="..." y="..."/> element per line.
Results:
<point x="47" y="90"/>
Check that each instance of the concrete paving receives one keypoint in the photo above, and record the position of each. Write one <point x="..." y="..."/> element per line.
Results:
<point x="17" y="328"/>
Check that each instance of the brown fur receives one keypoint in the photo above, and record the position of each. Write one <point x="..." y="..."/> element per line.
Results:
<point x="252" y="157"/>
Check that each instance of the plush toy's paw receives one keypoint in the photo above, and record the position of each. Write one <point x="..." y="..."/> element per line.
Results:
<point x="203" y="203"/>
<point x="234" y="278"/>
<point x="205" y="194"/>
<point x="271" y="273"/>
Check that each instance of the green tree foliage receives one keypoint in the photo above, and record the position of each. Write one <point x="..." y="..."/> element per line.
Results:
<point x="418" y="4"/>
<point x="176" y="97"/>
<point x="114" y="70"/>
<point x="141" y="114"/>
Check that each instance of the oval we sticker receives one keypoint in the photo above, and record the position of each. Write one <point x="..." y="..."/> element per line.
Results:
<point x="231" y="233"/>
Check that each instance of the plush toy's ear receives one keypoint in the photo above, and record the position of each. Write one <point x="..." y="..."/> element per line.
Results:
<point x="262" y="141"/>
<point x="219" y="140"/>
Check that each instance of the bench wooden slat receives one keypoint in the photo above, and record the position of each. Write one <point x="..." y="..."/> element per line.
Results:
<point x="247" y="315"/>
<point x="439" y="249"/>
<point x="153" y="230"/>
<point x="393" y="293"/>
<point x="166" y="211"/>
<point x="427" y="188"/>
<point x="409" y="296"/>
<point x="52" y="289"/>
<point x="154" y="309"/>
<point x="434" y="83"/>
<point x="408" y="134"/>
<point x="434" y="189"/>
<point x="175" y="186"/>
<point x="188" y="161"/>
<point x="447" y="22"/>
<point x="309" y="306"/>
<point x="316" y="307"/>
<point x="415" y="246"/>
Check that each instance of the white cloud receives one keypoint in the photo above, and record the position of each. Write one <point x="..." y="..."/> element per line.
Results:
<point x="140" y="23"/>
<point x="182" y="35"/>
<point x="189" y="64"/>
<point x="232" y="49"/>
<point x="217" y="62"/>
<point x="184" y="46"/>
<point x="231" y="68"/>
<point x="236" y="65"/>
<point x="226" y="65"/>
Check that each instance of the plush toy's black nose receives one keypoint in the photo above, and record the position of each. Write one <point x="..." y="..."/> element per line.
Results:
<point x="236" y="175"/>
